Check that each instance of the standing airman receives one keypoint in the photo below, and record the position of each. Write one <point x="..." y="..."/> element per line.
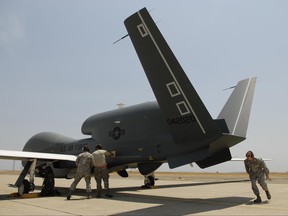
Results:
<point x="100" y="170"/>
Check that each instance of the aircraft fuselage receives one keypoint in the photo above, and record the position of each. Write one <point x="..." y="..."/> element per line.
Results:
<point x="138" y="134"/>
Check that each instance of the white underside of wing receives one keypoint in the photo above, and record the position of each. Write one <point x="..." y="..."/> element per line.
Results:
<point x="237" y="159"/>
<point x="24" y="155"/>
<point x="242" y="159"/>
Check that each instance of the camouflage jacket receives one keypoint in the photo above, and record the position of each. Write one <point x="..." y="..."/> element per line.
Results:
<point x="84" y="162"/>
<point x="256" y="166"/>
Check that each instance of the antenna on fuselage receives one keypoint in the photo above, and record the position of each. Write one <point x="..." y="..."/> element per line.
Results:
<point x="120" y="105"/>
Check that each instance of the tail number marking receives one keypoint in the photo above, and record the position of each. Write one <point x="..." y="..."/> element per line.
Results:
<point x="181" y="120"/>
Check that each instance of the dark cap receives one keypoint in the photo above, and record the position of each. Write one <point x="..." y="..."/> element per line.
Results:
<point x="85" y="149"/>
<point x="250" y="153"/>
<point x="98" y="146"/>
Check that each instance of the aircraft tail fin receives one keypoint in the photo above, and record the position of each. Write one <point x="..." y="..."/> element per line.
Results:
<point x="182" y="108"/>
<point x="237" y="109"/>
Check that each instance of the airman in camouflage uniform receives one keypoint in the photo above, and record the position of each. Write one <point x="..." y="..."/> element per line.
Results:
<point x="257" y="170"/>
<point x="84" y="164"/>
<point x="100" y="170"/>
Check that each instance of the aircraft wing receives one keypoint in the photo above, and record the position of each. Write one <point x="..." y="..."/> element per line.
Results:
<point x="242" y="159"/>
<point x="25" y="155"/>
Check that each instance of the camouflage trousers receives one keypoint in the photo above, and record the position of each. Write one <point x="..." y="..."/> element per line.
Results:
<point x="261" y="180"/>
<point x="78" y="177"/>
<point x="101" y="173"/>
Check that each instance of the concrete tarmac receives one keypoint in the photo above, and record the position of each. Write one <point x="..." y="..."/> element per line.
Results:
<point x="175" y="194"/>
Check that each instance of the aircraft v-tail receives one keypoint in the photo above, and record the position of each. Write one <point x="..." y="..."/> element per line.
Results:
<point x="176" y="129"/>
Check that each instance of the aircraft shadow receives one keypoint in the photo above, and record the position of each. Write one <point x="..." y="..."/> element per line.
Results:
<point x="178" y="205"/>
<point x="162" y="205"/>
<point x="179" y="185"/>
<point x="64" y="190"/>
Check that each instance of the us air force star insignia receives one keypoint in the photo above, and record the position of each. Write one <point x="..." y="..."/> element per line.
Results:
<point x="116" y="133"/>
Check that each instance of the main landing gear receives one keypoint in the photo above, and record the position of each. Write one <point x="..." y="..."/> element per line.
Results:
<point x="149" y="180"/>
<point x="25" y="186"/>
<point x="46" y="172"/>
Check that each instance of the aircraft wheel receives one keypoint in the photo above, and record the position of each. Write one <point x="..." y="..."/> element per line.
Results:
<point x="149" y="181"/>
<point x="24" y="187"/>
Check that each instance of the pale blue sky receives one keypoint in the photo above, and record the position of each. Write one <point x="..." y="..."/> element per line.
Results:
<point x="58" y="65"/>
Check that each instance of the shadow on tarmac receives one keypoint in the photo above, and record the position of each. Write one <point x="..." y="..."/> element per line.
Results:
<point x="178" y="205"/>
<point x="161" y="205"/>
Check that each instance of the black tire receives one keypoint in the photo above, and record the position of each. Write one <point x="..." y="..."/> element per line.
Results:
<point x="150" y="182"/>
<point x="24" y="188"/>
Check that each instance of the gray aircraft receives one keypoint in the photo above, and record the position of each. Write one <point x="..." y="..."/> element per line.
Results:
<point x="176" y="129"/>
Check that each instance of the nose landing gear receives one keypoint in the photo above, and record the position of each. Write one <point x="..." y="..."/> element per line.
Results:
<point x="149" y="180"/>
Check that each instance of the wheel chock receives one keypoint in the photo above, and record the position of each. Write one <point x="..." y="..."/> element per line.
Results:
<point x="27" y="195"/>
<point x="14" y="195"/>
<point x="30" y="195"/>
